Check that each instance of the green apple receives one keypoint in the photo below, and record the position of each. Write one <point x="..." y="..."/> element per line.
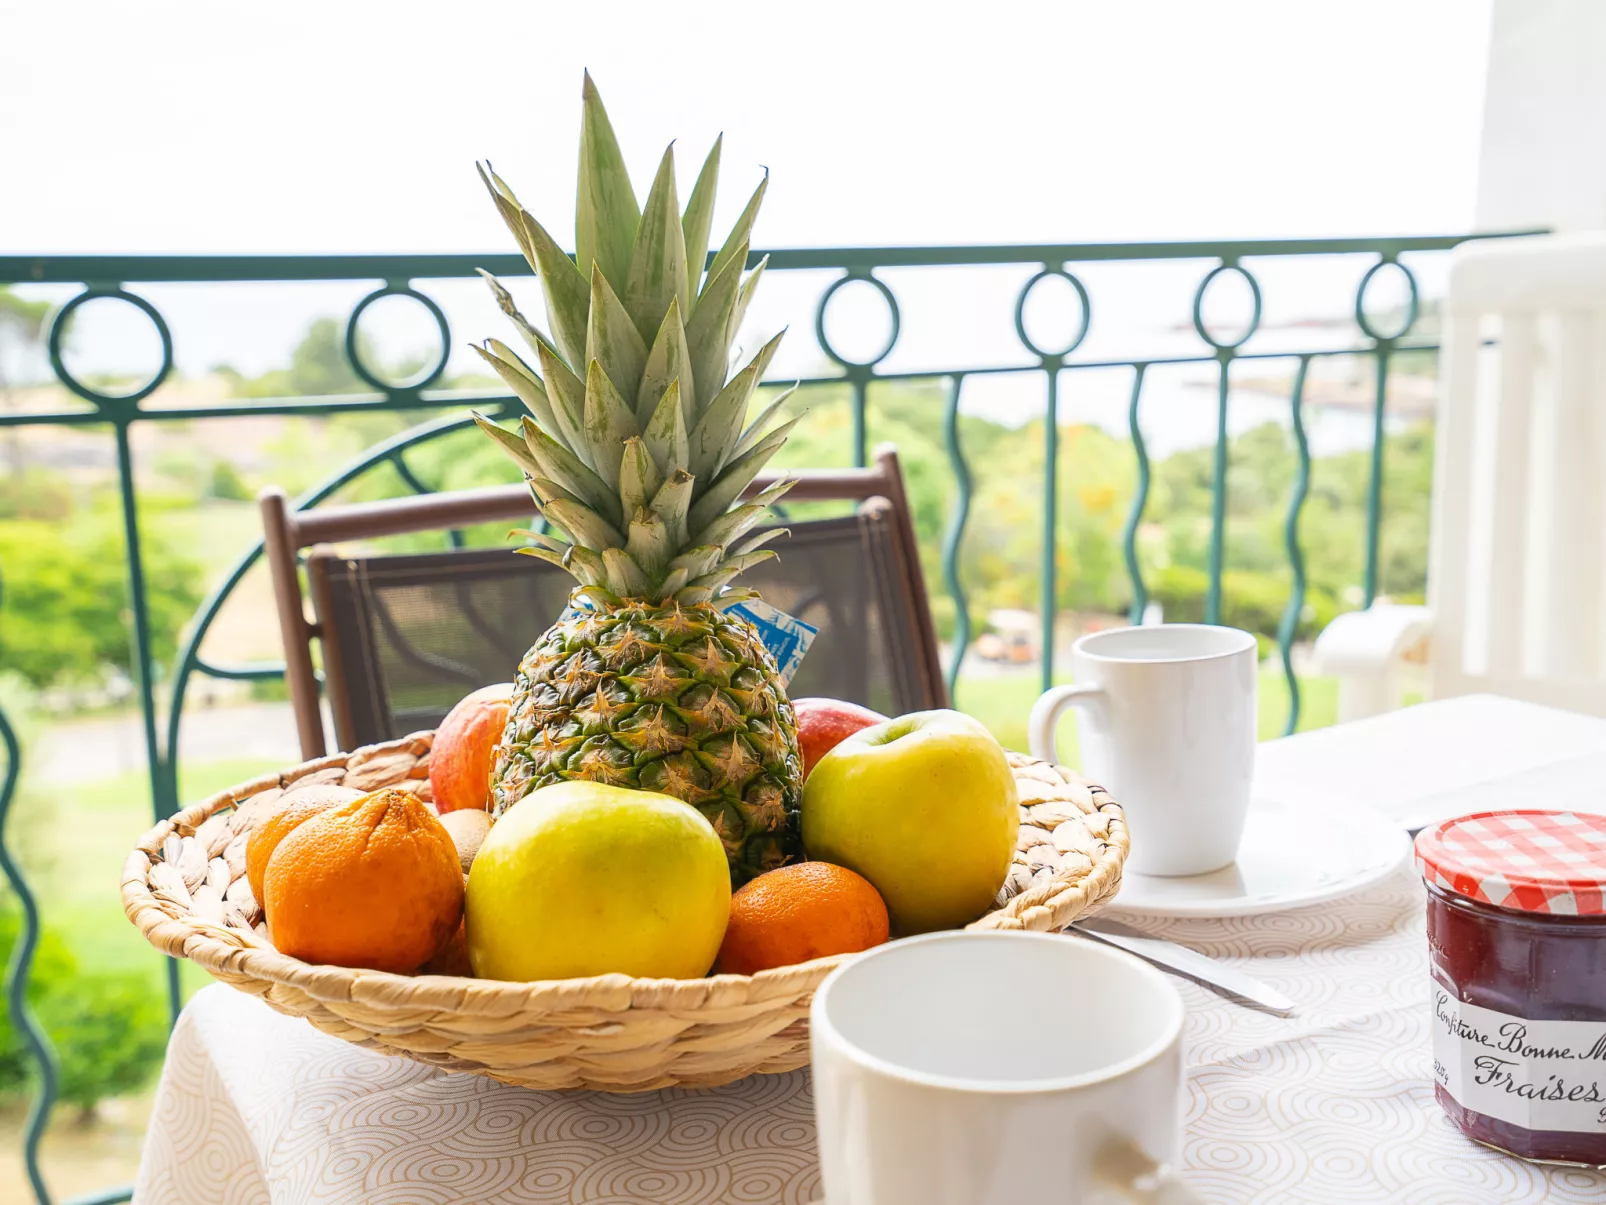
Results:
<point x="580" y="878"/>
<point x="925" y="807"/>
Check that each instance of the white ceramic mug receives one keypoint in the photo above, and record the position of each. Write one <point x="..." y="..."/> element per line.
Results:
<point x="1168" y="720"/>
<point x="994" y="1068"/>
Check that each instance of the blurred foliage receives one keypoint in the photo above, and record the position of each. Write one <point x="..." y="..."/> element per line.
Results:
<point x="26" y="317"/>
<point x="35" y="493"/>
<point x="225" y="483"/>
<point x="318" y="367"/>
<point x="110" y="1033"/>
<point x="188" y="467"/>
<point x="1000" y="557"/>
<point x="64" y="598"/>
<point x="53" y="964"/>
<point x="109" y="1030"/>
<point x="64" y="614"/>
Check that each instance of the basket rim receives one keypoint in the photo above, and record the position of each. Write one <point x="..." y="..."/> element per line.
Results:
<point x="217" y="947"/>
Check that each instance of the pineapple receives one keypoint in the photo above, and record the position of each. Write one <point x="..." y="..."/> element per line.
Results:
<point x="637" y="451"/>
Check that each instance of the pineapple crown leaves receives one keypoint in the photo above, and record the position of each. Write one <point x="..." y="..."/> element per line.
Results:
<point x="637" y="447"/>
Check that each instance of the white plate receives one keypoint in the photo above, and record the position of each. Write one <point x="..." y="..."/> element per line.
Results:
<point x="1291" y="856"/>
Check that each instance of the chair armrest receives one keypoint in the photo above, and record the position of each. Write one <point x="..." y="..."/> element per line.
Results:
<point x="1371" y="639"/>
<point x="1362" y="649"/>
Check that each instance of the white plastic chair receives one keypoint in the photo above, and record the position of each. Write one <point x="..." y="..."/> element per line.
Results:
<point x="1517" y="568"/>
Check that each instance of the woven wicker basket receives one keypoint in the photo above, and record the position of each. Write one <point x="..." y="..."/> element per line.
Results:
<point x="184" y="886"/>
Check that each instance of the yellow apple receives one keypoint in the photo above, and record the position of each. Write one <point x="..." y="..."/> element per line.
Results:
<point x="925" y="807"/>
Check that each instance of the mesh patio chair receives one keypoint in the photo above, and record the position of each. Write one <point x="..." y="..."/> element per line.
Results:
<point x="402" y="637"/>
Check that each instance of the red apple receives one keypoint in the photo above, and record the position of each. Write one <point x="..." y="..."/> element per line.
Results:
<point x="823" y="723"/>
<point x="465" y="747"/>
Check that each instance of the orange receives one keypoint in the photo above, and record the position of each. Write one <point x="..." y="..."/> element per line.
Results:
<point x="297" y="807"/>
<point x="465" y="746"/>
<point x="799" y="912"/>
<point x="371" y="883"/>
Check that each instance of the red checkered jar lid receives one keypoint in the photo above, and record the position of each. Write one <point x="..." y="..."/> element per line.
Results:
<point x="1528" y="861"/>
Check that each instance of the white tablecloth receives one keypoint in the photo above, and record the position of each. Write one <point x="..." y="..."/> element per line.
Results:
<point x="1330" y="1107"/>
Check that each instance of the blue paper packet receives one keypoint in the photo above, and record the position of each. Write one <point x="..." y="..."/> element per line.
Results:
<point x="786" y="636"/>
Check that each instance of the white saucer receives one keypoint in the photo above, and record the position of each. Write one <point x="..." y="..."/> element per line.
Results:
<point x="1291" y="856"/>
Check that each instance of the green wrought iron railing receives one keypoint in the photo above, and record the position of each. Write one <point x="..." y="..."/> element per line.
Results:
<point x="110" y="277"/>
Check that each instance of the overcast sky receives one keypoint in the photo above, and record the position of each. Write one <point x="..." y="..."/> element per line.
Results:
<point x="201" y="126"/>
<point x="183" y="126"/>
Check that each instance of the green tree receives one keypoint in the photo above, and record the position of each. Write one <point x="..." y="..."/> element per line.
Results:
<point x="52" y="963"/>
<point x="64" y="596"/>
<point x="26" y="318"/>
<point x="319" y="366"/>
<point x="226" y="484"/>
<point x="109" y="1030"/>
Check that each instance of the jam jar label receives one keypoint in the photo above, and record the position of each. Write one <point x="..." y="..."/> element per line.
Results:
<point x="1540" y="1075"/>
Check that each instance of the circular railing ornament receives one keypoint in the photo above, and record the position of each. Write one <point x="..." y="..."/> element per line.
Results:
<point x="1020" y="313"/>
<point x="58" y="333"/>
<point x="354" y="356"/>
<point x="894" y="319"/>
<point x="1254" y="313"/>
<point x="1412" y="303"/>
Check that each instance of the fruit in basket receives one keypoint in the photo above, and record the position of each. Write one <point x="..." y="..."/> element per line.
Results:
<point x="797" y="913"/>
<point x="295" y="809"/>
<point x="823" y="723"/>
<point x="637" y="451"/>
<point x="467" y="829"/>
<point x="371" y="883"/>
<point x="582" y="878"/>
<point x="465" y="744"/>
<point x="925" y="807"/>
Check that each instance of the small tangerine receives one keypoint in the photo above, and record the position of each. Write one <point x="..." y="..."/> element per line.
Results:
<point x="372" y="883"/>
<point x="297" y="807"/>
<point x="800" y="912"/>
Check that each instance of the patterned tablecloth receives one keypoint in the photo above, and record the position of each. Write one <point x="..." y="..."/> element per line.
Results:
<point x="1330" y="1107"/>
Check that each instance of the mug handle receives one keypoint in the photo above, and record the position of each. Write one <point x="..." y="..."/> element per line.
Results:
<point x="1046" y="712"/>
<point x="1140" y="1180"/>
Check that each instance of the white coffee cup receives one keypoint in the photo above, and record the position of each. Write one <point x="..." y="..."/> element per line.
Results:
<point x="1168" y="728"/>
<point x="995" y="1068"/>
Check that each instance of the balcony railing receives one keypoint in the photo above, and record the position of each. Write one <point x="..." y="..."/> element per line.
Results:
<point x="123" y="277"/>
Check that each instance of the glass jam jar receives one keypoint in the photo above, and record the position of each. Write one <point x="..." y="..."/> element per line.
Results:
<point x="1517" y="944"/>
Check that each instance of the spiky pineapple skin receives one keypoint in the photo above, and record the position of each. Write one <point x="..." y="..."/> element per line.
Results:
<point x="684" y="700"/>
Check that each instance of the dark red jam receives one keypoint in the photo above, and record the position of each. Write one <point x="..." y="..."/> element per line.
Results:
<point x="1519" y="992"/>
<point x="1528" y="968"/>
